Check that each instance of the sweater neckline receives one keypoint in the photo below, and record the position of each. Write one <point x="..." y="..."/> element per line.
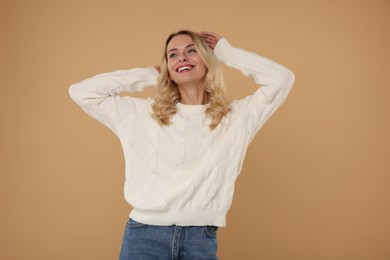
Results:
<point x="192" y="108"/>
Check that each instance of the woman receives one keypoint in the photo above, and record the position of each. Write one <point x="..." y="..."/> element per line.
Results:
<point x="184" y="148"/>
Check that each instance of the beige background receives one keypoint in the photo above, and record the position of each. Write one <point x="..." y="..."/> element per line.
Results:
<point x="315" y="183"/>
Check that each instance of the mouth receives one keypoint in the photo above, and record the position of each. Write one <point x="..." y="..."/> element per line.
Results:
<point x="184" y="68"/>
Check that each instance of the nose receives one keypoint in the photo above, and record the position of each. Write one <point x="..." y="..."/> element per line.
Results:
<point x="183" y="57"/>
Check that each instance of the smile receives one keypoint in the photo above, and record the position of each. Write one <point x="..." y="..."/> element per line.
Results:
<point x="184" y="68"/>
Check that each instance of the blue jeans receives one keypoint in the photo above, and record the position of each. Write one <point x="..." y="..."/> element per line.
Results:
<point x="151" y="242"/>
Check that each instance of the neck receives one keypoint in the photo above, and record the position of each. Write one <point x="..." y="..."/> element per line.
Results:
<point x="193" y="94"/>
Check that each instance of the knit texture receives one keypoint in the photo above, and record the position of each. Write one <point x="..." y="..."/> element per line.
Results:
<point x="184" y="173"/>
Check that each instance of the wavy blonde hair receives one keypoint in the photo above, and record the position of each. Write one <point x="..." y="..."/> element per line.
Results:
<point x="168" y="95"/>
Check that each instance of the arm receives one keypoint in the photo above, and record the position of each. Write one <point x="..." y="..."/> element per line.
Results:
<point x="274" y="80"/>
<point x="98" y="95"/>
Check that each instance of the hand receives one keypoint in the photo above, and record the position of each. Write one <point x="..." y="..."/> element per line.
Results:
<point x="210" y="38"/>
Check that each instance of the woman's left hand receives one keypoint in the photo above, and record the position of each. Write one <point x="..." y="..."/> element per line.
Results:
<point x="210" y="38"/>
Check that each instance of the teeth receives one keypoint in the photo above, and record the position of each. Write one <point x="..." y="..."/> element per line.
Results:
<point x="184" y="68"/>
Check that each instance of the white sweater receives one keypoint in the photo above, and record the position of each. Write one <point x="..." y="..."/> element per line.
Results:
<point x="184" y="173"/>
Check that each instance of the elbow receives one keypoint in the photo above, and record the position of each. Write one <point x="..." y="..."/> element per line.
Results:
<point x="286" y="81"/>
<point x="288" y="78"/>
<point x="283" y="78"/>
<point x="75" y="93"/>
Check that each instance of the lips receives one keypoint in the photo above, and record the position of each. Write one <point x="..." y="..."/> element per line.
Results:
<point x="184" y="68"/>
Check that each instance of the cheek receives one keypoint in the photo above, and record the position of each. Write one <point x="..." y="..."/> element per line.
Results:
<point x="170" y="70"/>
<point x="203" y="69"/>
<point x="169" y="67"/>
<point x="201" y="64"/>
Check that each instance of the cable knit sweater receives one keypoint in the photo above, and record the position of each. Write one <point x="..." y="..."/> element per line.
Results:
<point x="184" y="173"/>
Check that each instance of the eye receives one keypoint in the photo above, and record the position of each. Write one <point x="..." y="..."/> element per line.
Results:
<point x="192" y="51"/>
<point x="172" y="55"/>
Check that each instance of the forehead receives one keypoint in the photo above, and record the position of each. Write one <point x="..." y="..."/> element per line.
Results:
<point x="179" y="42"/>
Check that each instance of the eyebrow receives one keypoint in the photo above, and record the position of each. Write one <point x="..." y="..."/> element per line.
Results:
<point x="175" y="49"/>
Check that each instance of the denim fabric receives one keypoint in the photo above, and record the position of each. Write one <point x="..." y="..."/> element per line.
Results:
<point x="149" y="242"/>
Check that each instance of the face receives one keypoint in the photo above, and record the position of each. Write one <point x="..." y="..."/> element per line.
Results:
<point x="184" y="63"/>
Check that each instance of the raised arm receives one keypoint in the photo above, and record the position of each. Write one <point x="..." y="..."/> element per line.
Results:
<point x="98" y="96"/>
<point x="274" y="80"/>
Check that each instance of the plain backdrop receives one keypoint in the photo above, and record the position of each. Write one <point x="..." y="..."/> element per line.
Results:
<point x="315" y="182"/>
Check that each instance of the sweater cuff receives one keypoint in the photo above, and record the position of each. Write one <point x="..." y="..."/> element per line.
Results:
<point x="223" y="50"/>
<point x="151" y="75"/>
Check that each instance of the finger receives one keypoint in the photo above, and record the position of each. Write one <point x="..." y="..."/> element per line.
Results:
<point x="209" y="38"/>
<point x="207" y="33"/>
<point x="211" y="35"/>
<point x="210" y="42"/>
<point x="205" y="37"/>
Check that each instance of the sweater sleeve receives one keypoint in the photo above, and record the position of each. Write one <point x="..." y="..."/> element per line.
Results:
<point x="98" y="96"/>
<point x="274" y="80"/>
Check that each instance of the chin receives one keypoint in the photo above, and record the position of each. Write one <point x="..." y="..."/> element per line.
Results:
<point x="180" y="81"/>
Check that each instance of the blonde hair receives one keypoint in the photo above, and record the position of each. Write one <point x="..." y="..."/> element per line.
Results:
<point x="168" y="95"/>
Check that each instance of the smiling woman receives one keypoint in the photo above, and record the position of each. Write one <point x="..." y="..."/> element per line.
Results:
<point x="184" y="148"/>
<point x="186" y="68"/>
<point x="199" y="83"/>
